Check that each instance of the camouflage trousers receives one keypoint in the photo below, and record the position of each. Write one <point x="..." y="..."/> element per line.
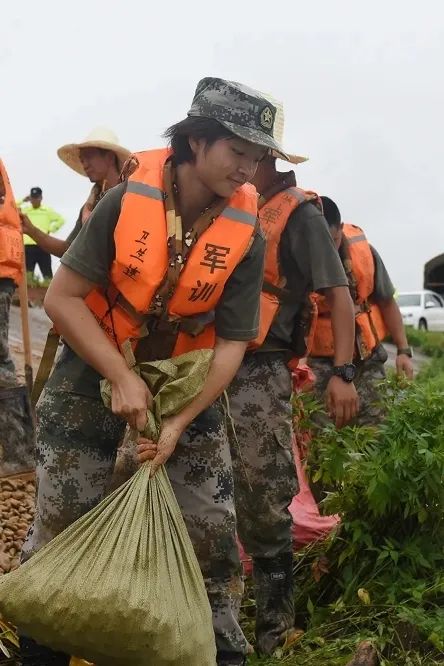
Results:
<point x="77" y="441"/>
<point x="261" y="448"/>
<point x="7" y="369"/>
<point x="369" y="374"/>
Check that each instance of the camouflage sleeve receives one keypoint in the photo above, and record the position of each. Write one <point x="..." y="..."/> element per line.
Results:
<point x="383" y="289"/>
<point x="93" y="250"/>
<point x="237" y="313"/>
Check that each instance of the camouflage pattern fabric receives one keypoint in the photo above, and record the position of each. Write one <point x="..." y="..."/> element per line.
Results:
<point x="16" y="423"/>
<point x="17" y="434"/>
<point x="264" y="472"/>
<point x="265" y="483"/>
<point x="77" y="440"/>
<point x="369" y="374"/>
<point x="7" y="369"/>
<point x="240" y="109"/>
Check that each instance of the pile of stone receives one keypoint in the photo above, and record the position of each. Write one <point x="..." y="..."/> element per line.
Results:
<point x="16" y="515"/>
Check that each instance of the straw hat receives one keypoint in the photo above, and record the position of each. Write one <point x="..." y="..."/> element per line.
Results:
<point x="100" y="137"/>
<point x="278" y="131"/>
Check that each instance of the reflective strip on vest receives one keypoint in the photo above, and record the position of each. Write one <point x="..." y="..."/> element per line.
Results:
<point x="297" y="194"/>
<point x="238" y="215"/>
<point x="356" y="239"/>
<point x="145" y="190"/>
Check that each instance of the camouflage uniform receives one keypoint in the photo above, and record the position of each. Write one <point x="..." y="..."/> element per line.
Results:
<point x="75" y="462"/>
<point x="369" y="374"/>
<point x="265" y="483"/>
<point x="7" y="369"/>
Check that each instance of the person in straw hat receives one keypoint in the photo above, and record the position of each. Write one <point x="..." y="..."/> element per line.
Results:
<point x="100" y="158"/>
<point x="301" y="258"/>
<point x="175" y="250"/>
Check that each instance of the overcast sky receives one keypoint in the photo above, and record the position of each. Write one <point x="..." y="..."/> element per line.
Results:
<point x="362" y="85"/>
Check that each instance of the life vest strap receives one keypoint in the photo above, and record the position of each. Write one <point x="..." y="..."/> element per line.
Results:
<point x="282" y="294"/>
<point x="45" y="367"/>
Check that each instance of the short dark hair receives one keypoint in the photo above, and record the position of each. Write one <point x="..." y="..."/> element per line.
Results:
<point x="194" y="127"/>
<point x="331" y="212"/>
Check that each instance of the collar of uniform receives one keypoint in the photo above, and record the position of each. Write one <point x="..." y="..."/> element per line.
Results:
<point x="283" y="182"/>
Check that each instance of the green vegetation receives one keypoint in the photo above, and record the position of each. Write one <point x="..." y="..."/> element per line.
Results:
<point x="34" y="281"/>
<point x="380" y="577"/>
<point x="430" y="343"/>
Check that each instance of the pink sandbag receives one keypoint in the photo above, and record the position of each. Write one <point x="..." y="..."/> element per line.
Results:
<point x="308" y="524"/>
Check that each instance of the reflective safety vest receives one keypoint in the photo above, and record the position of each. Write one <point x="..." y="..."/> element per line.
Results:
<point x="11" y="239"/>
<point x="141" y="261"/>
<point x="273" y="217"/>
<point x="360" y="269"/>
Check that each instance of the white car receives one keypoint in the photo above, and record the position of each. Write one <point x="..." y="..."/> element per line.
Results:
<point x="423" y="310"/>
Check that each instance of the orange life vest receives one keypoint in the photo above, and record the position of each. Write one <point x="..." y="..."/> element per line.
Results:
<point x="11" y="239"/>
<point x="141" y="261"/>
<point x="273" y="218"/>
<point x="370" y="327"/>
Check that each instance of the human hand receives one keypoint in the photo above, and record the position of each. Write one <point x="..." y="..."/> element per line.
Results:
<point x="26" y="199"/>
<point x="130" y="399"/>
<point x="342" y="401"/>
<point x="27" y="225"/>
<point x="404" y="366"/>
<point x="146" y="449"/>
<point x="170" y="432"/>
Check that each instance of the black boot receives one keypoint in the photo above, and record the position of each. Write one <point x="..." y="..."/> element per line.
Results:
<point x="33" y="654"/>
<point x="230" y="659"/>
<point x="273" y="586"/>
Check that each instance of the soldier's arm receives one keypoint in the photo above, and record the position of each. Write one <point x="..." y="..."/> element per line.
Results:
<point x="383" y="296"/>
<point x="328" y="277"/>
<point x="85" y="265"/>
<point x="393" y="320"/>
<point x="55" y="246"/>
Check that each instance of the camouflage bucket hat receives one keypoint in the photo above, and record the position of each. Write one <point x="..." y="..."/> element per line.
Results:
<point x="242" y="110"/>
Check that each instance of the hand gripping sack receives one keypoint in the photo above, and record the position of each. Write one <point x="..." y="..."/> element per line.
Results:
<point x="122" y="585"/>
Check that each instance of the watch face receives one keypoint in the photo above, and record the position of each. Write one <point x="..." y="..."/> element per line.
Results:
<point x="349" y="373"/>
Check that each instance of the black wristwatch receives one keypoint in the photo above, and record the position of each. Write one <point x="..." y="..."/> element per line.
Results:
<point x="405" y="351"/>
<point x="346" y="372"/>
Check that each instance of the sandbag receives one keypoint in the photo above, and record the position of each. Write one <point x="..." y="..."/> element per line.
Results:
<point x="122" y="585"/>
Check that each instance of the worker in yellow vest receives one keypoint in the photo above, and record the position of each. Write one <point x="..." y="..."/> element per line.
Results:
<point x="46" y="220"/>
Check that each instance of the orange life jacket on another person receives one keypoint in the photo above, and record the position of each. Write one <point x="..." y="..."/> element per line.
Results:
<point x="141" y="261"/>
<point x="11" y="239"/>
<point x="273" y="217"/>
<point x="360" y="269"/>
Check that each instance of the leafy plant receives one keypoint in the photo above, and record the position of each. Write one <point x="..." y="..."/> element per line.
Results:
<point x="380" y="576"/>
